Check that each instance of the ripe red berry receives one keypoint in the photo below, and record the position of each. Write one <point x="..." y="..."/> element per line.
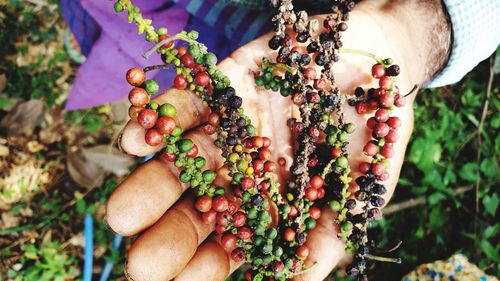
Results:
<point x="378" y="92"/>
<point x="378" y="71"/>
<point x="232" y="207"/>
<point x="153" y="137"/>
<point x="223" y="218"/>
<point x="399" y="100"/>
<point x="203" y="203"/>
<point x="377" y="168"/>
<point x="394" y="122"/>
<point x="361" y="108"/>
<point x="372" y="105"/>
<point x="202" y="79"/>
<point x="315" y="213"/>
<point x="209" y="129"/>
<point x="270" y="166"/>
<point x="385" y="82"/>
<point x="193" y="152"/>
<point x="316" y="182"/>
<point x="293" y="211"/>
<point x="228" y="241"/>
<point x="138" y="97"/>
<point x="371" y="122"/>
<point x="392" y="136"/>
<point x="336" y="152"/>
<point x="384" y="176"/>
<point x="278" y="266"/>
<point x="311" y="193"/>
<point x="247" y="183"/>
<point x="386" y="100"/>
<point x="381" y="130"/>
<point x="257" y="142"/>
<point x="180" y="82"/>
<point x="244" y="233"/>
<point x="364" y="167"/>
<point x="289" y="235"/>
<point x="264" y="186"/>
<point x="133" y="112"/>
<point x="382" y="115"/>
<point x="147" y="118"/>
<point x="136" y="76"/>
<point x="220" y="204"/>
<point x="258" y="165"/>
<point x="198" y="68"/>
<point x="239" y="219"/>
<point x="166" y="45"/>
<point x="182" y="50"/>
<point x="165" y="125"/>
<point x="264" y="154"/>
<point x="310" y="73"/>
<point x="319" y="84"/>
<point x="209" y="216"/>
<point x="370" y="149"/>
<point x="303" y="252"/>
<point x="188" y="60"/>
<point x="387" y="151"/>
<point x="238" y="255"/>
<point x="321" y="193"/>
<point x="266" y="142"/>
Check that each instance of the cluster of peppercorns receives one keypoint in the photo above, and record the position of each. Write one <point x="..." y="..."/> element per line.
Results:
<point x="318" y="178"/>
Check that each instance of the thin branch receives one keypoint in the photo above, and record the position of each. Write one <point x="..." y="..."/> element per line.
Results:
<point x="155" y="67"/>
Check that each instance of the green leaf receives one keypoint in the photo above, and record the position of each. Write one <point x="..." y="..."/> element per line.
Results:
<point x="489" y="250"/>
<point x="5" y="102"/>
<point x="491" y="231"/>
<point x="435" y="198"/>
<point x="491" y="203"/>
<point x="489" y="167"/>
<point x="436" y="218"/>
<point x="424" y="153"/>
<point x="469" y="172"/>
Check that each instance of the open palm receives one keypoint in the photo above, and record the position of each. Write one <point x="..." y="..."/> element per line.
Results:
<point x="174" y="242"/>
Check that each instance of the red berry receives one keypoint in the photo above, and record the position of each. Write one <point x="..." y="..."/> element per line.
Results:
<point x="311" y="193"/>
<point x="387" y="151"/>
<point x="372" y="105"/>
<point x="220" y="204"/>
<point x="377" y="168"/>
<point x="371" y="122"/>
<point x="187" y="60"/>
<point x="392" y="136"/>
<point x="378" y="71"/>
<point x="165" y="125"/>
<point x="315" y="213"/>
<point x="265" y="154"/>
<point x="364" y="167"/>
<point x="147" y="118"/>
<point x="193" y="152"/>
<point x="270" y="166"/>
<point x="266" y="142"/>
<point x="399" y="100"/>
<point x="321" y="193"/>
<point x="381" y="130"/>
<point x="247" y="183"/>
<point x="180" y="82"/>
<point x="289" y="235"/>
<point x="166" y="45"/>
<point x="258" y="165"/>
<point x="336" y="152"/>
<point x="232" y="207"/>
<point x="386" y="100"/>
<point x="203" y="203"/>
<point x="239" y="219"/>
<point x="361" y="108"/>
<point x="238" y="255"/>
<point x="136" y="76"/>
<point x="209" y="216"/>
<point x="378" y="92"/>
<point x="370" y="149"/>
<point x="133" y="112"/>
<point x="385" y="82"/>
<point x="244" y="233"/>
<point x="310" y="73"/>
<point x="319" y="84"/>
<point x="293" y="211"/>
<point x="168" y="157"/>
<point x="313" y="162"/>
<point x="382" y="115"/>
<point x="303" y="252"/>
<point x="223" y="218"/>
<point x="208" y="129"/>
<point x="202" y="79"/>
<point x="278" y="266"/>
<point x="181" y="51"/>
<point x="316" y="182"/>
<point x="394" y="122"/>
<point x="228" y="241"/>
<point x="264" y="186"/>
<point x="213" y="119"/>
<point x="153" y="137"/>
<point x="248" y="276"/>
<point x="257" y="142"/>
<point x="384" y="176"/>
<point x="198" y="68"/>
<point x="138" y="97"/>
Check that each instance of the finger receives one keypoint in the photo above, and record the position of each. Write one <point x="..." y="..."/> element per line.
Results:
<point x="210" y="263"/>
<point x="190" y="113"/>
<point x="164" y="249"/>
<point x="144" y="196"/>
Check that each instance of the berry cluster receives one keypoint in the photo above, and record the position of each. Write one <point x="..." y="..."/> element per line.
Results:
<point x="320" y="172"/>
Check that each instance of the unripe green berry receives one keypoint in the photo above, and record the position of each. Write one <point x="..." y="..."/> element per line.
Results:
<point x="167" y="110"/>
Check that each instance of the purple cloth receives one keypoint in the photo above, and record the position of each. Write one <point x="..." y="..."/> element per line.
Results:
<point x="118" y="47"/>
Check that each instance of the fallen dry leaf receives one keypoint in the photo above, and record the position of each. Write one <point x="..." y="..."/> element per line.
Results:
<point x="84" y="172"/>
<point x="109" y="158"/>
<point x="23" y="118"/>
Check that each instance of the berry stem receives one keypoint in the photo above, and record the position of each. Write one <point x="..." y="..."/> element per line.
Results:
<point x="363" y="53"/>
<point x="155" y="67"/>
<point x="383" y="259"/>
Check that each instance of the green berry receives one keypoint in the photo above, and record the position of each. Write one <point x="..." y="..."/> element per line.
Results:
<point x="193" y="34"/>
<point x="162" y="31"/>
<point x="118" y="7"/>
<point x="335" y="206"/>
<point x="346" y="226"/>
<point x="176" y="132"/>
<point x="271" y="233"/>
<point x="167" y="110"/>
<point x="209" y="176"/>
<point x="350" y="127"/>
<point x="199" y="162"/>
<point x="184" y="177"/>
<point x="267" y="249"/>
<point x="185" y="145"/>
<point x="210" y="59"/>
<point x="310" y="223"/>
<point x="151" y="86"/>
<point x="341" y="162"/>
<point x="259" y="81"/>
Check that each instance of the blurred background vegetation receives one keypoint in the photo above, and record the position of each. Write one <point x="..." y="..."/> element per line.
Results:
<point x="51" y="174"/>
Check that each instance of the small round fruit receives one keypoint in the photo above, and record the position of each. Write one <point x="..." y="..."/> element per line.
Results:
<point x="203" y="204"/>
<point x="316" y="181"/>
<point x="180" y="82"/>
<point x="289" y="235"/>
<point x="153" y="137"/>
<point x="151" y="86"/>
<point x="188" y="60"/>
<point x="136" y="76"/>
<point x="133" y="112"/>
<point x="202" y="79"/>
<point x="311" y="193"/>
<point x="209" y="216"/>
<point x="239" y="219"/>
<point x="168" y="44"/>
<point x="370" y="149"/>
<point x="167" y="109"/>
<point x="228" y="241"/>
<point x="378" y="71"/>
<point x="138" y="97"/>
<point x="165" y="125"/>
<point x="220" y="204"/>
<point x="147" y="118"/>
<point x="315" y="213"/>
<point x="302" y="252"/>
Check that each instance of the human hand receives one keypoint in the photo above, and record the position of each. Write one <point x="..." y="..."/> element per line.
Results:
<point x="175" y="243"/>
